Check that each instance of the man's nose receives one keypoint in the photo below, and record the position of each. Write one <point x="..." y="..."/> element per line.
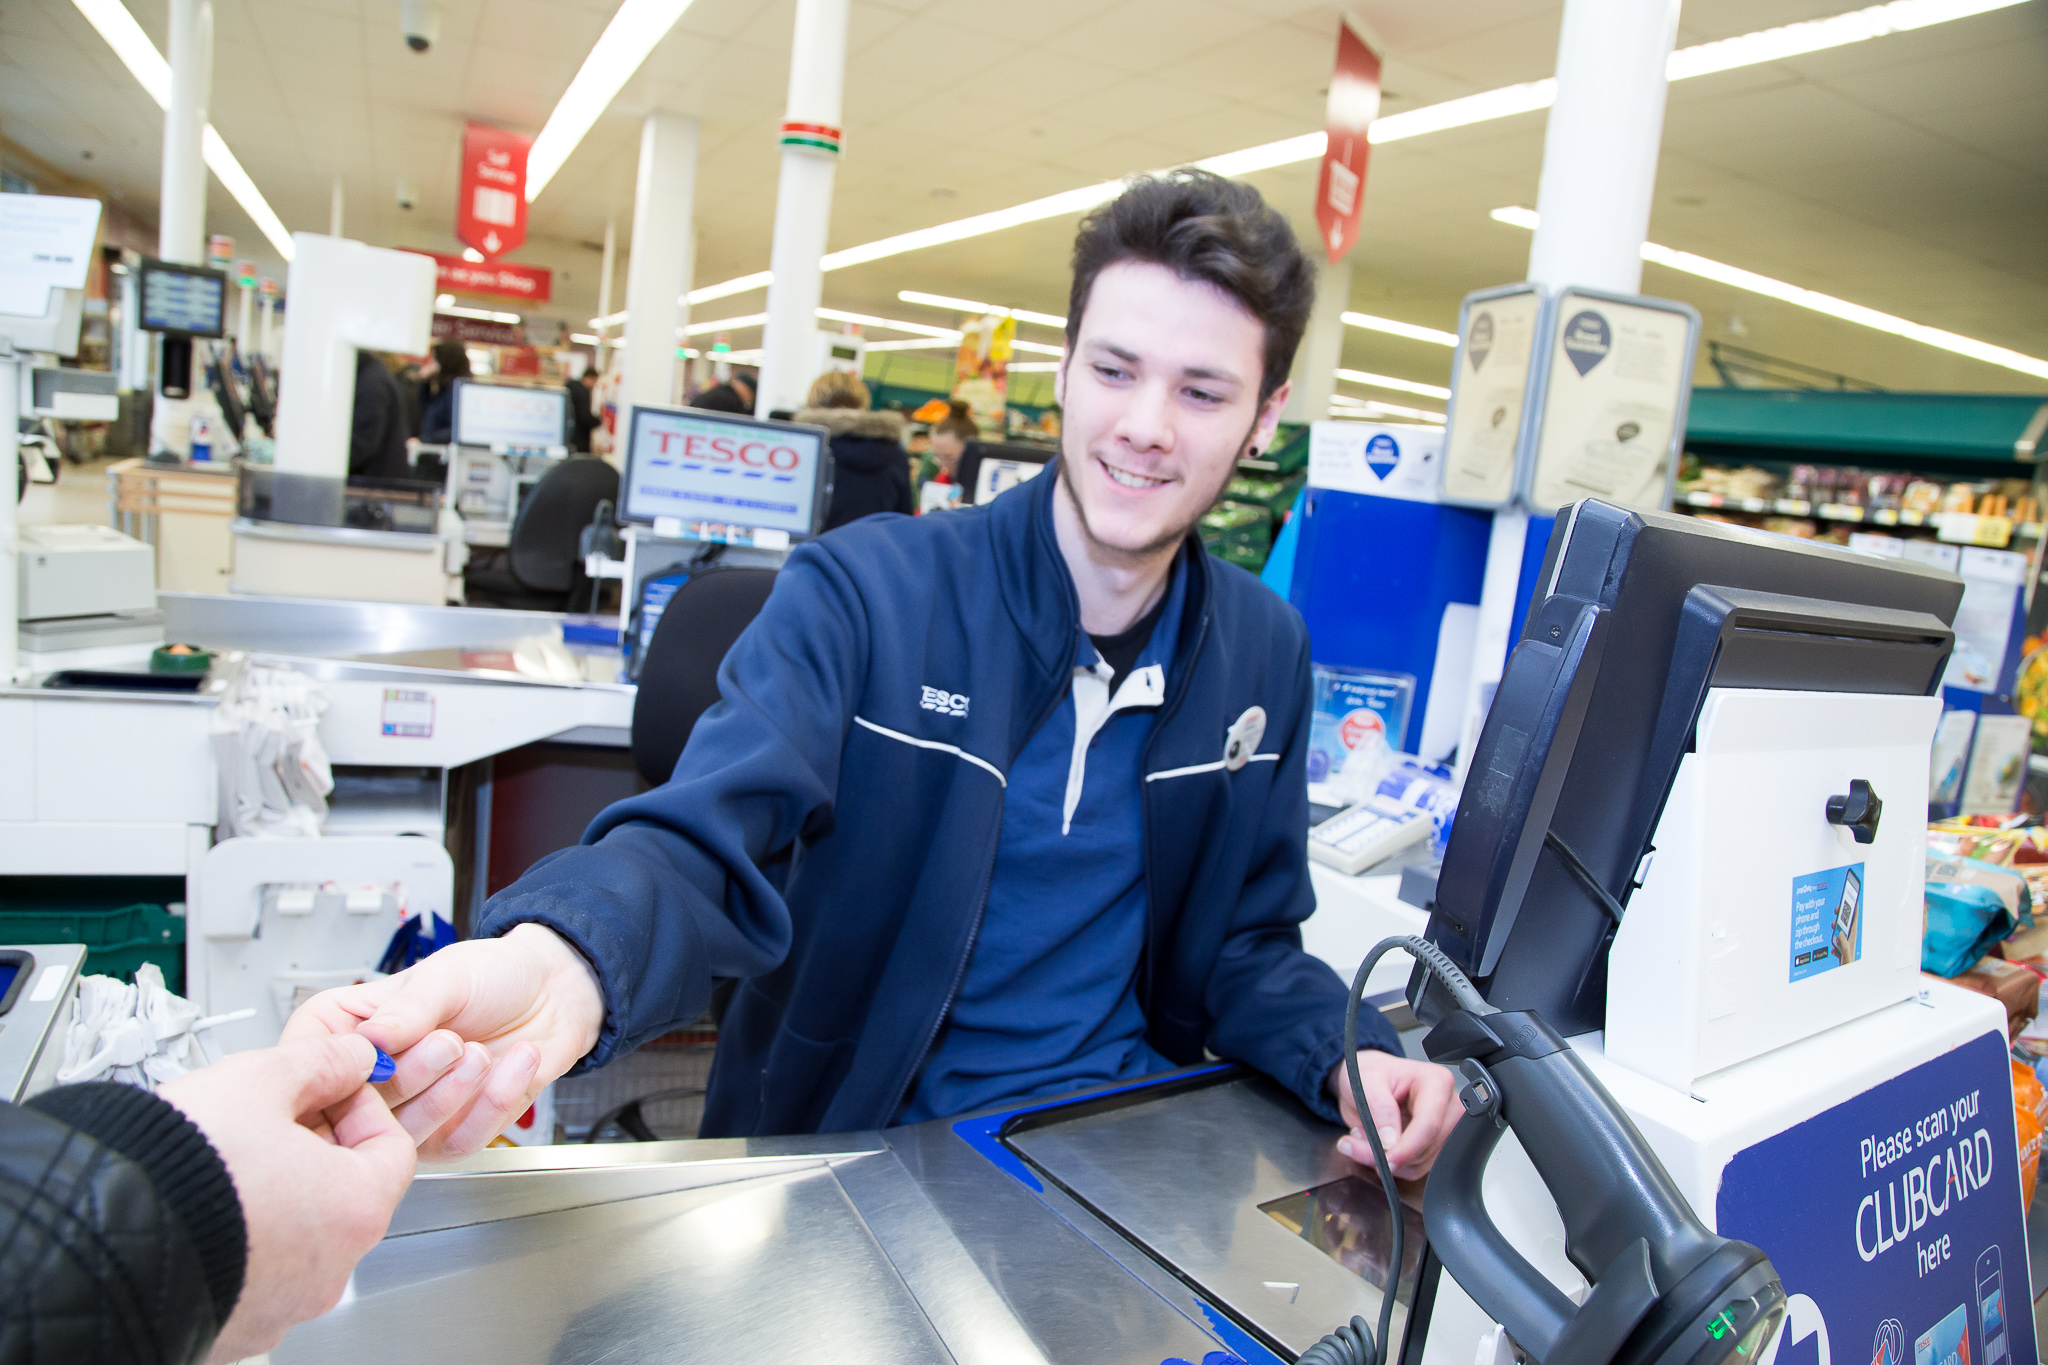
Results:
<point x="1147" y="420"/>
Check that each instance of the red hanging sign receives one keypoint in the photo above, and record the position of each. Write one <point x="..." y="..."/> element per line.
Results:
<point x="529" y="283"/>
<point x="1354" y="103"/>
<point x="491" y="215"/>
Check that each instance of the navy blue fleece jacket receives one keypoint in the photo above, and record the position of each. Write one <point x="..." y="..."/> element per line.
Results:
<point x="831" y="827"/>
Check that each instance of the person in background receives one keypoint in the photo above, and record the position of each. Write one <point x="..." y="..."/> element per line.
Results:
<point x="732" y="395"/>
<point x="869" y="472"/>
<point x="376" y="443"/>
<point x="448" y="363"/>
<point x="950" y="435"/>
<point x="583" y="417"/>
<point x="200" y="1222"/>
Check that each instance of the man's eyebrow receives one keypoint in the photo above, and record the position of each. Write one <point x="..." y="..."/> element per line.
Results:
<point x="1192" y="372"/>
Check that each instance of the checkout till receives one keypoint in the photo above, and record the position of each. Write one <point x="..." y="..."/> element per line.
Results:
<point x="1714" y="1113"/>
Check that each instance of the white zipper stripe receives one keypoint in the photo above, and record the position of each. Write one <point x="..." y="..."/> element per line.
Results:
<point x="1208" y="767"/>
<point x="952" y="749"/>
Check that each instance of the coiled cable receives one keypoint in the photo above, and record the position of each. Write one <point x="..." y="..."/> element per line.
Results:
<point x="1354" y="1343"/>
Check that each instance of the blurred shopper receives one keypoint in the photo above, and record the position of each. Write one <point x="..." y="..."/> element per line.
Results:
<point x="583" y="418"/>
<point x="200" y="1222"/>
<point x="448" y="363"/>
<point x="731" y="395"/>
<point x="376" y="443"/>
<point x="869" y="471"/>
<point x="941" y="464"/>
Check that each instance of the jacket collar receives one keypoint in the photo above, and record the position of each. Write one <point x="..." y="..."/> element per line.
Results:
<point x="1039" y="592"/>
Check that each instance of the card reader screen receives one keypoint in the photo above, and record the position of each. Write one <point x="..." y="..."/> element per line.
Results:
<point x="8" y="971"/>
<point x="713" y="469"/>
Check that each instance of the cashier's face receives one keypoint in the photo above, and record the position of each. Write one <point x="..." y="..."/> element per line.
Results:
<point x="1159" y="398"/>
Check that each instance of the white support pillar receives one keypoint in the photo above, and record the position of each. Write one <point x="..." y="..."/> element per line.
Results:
<point x="1599" y="171"/>
<point x="803" y="204"/>
<point x="334" y="208"/>
<point x="1600" y="149"/>
<point x="1322" y="345"/>
<point x="181" y="204"/>
<point x="658" y="270"/>
<point x="604" y="288"/>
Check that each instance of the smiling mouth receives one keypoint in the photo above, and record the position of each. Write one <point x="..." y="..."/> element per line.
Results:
<point x="1123" y="478"/>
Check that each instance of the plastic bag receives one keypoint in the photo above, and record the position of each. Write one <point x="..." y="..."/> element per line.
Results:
<point x="138" y="1035"/>
<point x="2030" y="1113"/>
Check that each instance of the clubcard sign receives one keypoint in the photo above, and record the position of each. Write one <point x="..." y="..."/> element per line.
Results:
<point x="1386" y="461"/>
<point x="491" y="214"/>
<point x="1353" y="104"/>
<point x="1895" y="1221"/>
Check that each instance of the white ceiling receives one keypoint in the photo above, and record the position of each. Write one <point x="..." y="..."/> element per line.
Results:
<point x="1909" y="173"/>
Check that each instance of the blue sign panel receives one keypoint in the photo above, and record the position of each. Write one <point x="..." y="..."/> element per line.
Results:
<point x="1827" y="920"/>
<point x="1895" y="1220"/>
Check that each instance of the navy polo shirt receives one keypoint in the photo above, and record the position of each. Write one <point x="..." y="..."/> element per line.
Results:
<point x="1049" y="1002"/>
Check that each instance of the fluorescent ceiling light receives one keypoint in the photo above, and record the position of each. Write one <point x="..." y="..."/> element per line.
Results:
<point x="915" y="328"/>
<point x="1726" y="55"/>
<point x="1754" y="283"/>
<point x="480" y="314"/>
<point x="758" y="280"/>
<point x="634" y="30"/>
<point x="472" y="255"/>
<point x="444" y="300"/>
<point x="915" y="344"/>
<point x="984" y="309"/>
<point x="118" y="27"/>
<point x="1387" y="381"/>
<point x="585" y="339"/>
<point x="609" y="320"/>
<point x="1033" y="366"/>
<point x="1034" y="348"/>
<point x="697" y="329"/>
<point x="1400" y="329"/>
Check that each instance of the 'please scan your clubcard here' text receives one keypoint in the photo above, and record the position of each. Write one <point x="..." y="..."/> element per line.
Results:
<point x="1958" y="1164"/>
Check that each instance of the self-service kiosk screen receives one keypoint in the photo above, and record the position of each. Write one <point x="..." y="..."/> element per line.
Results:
<point x="510" y="415"/>
<point x="702" y="466"/>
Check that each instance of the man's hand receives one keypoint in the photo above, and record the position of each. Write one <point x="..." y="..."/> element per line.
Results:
<point x="319" y="1164"/>
<point x="477" y="1030"/>
<point x="1414" y="1105"/>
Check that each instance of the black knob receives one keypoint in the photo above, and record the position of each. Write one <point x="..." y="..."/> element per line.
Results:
<point x="1858" y="812"/>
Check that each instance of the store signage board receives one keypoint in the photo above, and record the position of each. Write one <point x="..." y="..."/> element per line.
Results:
<point x="527" y="283"/>
<point x="1382" y="461"/>
<point x="1489" y="391"/>
<point x="1354" y="103"/>
<point x="1895" y="1220"/>
<point x="490" y="215"/>
<point x="1612" y="382"/>
<point x="477" y="331"/>
<point x="220" y="252"/>
<point x="45" y="244"/>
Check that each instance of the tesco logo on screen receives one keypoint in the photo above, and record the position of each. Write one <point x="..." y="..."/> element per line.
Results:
<point x="727" y="450"/>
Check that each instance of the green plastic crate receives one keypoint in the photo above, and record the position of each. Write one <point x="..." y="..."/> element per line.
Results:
<point x="118" y="939"/>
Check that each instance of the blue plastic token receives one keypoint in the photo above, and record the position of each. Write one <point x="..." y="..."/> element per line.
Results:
<point x="384" y="1069"/>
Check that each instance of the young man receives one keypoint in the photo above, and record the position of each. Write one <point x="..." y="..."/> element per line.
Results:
<point x="998" y="804"/>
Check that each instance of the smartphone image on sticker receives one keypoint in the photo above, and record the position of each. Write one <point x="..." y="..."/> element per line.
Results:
<point x="1947" y="1342"/>
<point x="1991" y="1305"/>
<point x="1843" y="940"/>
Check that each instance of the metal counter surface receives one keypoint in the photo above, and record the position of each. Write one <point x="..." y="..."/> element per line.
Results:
<point x="928" y="1243"/>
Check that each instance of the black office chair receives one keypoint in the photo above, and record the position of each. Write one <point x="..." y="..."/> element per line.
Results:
<point x="679" y="676"/>
<point x="541" y="569"/>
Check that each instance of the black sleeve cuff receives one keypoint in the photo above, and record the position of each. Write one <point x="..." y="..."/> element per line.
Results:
<point x="189" y="1176"/>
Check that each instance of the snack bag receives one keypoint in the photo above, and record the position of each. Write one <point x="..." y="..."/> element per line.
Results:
<point x="2030" y="1113"/>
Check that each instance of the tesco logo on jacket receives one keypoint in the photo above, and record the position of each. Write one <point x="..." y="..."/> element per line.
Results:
<point x="728" y="450"/>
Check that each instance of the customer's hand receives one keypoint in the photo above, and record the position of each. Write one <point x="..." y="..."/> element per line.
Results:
<point x="477" y="1030"/>
<point x="319" y="1164"/>
<point x="1413" y="1104"/>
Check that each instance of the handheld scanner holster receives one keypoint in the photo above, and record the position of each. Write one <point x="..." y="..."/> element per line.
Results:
<point x="1665" y="1290"/>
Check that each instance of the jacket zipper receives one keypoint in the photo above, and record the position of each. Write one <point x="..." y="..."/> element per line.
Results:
<point x="1166" y="715"/>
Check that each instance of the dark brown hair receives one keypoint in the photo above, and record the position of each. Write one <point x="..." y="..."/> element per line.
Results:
<point x="1203" y="227"/>
<point x="957" y="423"/>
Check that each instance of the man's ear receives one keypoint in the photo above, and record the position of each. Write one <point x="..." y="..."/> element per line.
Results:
<point x="1269" y="416"/>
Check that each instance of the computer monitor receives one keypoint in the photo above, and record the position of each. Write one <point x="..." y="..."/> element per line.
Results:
<point x="510" y="416"/>
<point x="1636" y="616"/>
<point x="988" y="469"/>
<point x="707" y="470"/>
<point x="183" y="300"/>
